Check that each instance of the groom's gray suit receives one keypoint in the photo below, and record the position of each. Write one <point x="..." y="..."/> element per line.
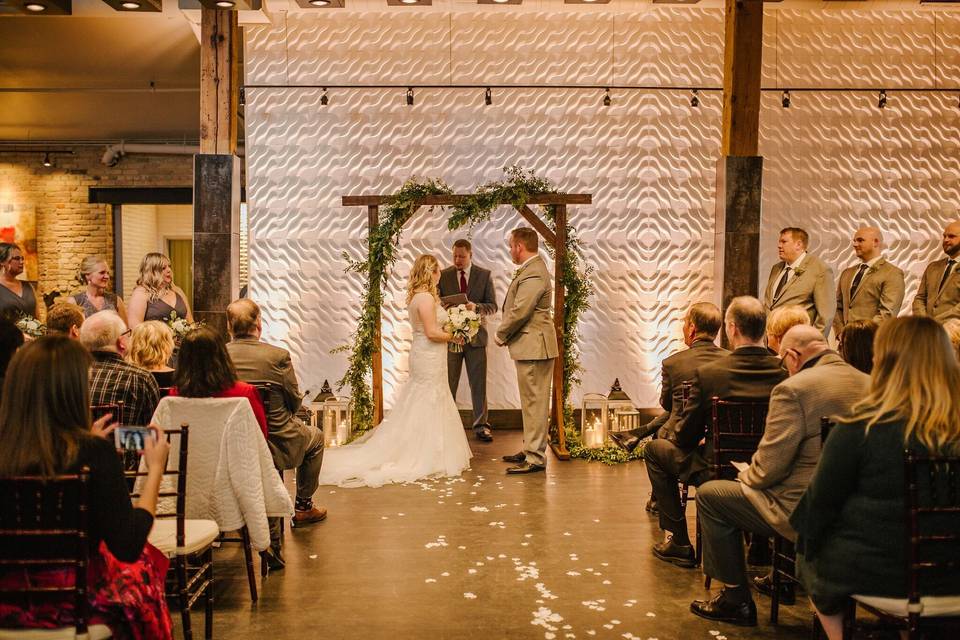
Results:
<point x="527" y="330"/>
<point x="480" y="292"/>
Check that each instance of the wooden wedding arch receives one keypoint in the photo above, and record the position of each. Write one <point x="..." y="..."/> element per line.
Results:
<point x="557" y="240"/>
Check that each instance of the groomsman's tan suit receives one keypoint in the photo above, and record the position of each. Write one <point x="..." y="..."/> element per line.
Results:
<point x="878" y="297"/>
<point x="943" y="304"/>
<point x="810" y="286"/>
<point x="528" y="332"/>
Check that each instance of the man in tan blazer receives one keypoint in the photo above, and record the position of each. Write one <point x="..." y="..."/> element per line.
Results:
<point x="800" y="278"/>
<point x="939" y="292"/>
<point x="872" y="289"/>
<point x="768" y="490"/>
<point x="527" y="330"/>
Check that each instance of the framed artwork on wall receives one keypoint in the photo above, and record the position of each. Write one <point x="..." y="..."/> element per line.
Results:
<point x="18" y="224"/>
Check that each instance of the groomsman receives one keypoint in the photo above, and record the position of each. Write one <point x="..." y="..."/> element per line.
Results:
<point x="477" y="284"/>
<point x="939" y="292"/>
<point x="871" y="290"/>
<point x="802" y="279"/>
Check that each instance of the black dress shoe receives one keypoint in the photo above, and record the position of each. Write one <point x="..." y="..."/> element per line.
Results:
<point x="724" y="609"/>
<point x="625" y="440"/>
<point x="483" y="434"/>
<point x="517" y="457"/>
<point x="788" y="591"/>
<point x="273" y="559"/>
<point x="526" y="467"/>
<point x="679" y="554"/>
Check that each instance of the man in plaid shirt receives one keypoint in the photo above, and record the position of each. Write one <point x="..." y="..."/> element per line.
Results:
<point x="113" y="379"/>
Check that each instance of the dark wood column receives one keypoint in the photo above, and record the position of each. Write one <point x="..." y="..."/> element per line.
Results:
<point x="216" y="171"/>
<point x="740" y="169"/>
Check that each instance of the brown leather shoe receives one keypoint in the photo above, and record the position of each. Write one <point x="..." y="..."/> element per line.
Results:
<point x="301" y="518"/>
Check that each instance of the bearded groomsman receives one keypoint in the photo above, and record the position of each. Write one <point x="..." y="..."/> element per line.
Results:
<point x="476" y="284"/>
<point x="802" y="279"/>
<point x="939" y="292"/>
<point x="871" y="290"/>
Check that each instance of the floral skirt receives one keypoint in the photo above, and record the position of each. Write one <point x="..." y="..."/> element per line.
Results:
<point x="127" y="597"/>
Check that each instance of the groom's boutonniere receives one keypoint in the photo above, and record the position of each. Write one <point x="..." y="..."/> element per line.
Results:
<point x="873" y="269"/>
<point x="798" y="271"/>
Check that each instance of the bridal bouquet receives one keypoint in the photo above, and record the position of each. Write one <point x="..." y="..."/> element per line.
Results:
<point x="461" y="323"/>
<point x="31" y="327"/>
<point x="180" y="327"/>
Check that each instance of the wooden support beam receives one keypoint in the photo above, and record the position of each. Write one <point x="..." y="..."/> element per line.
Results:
<point x="545" y="232"/>
<point x="219" y="81"/>
<point x="439" y="201"/>
<point x="742" y="65"/>
<point x="373" y="220"/>
<point x="559" y="442"/>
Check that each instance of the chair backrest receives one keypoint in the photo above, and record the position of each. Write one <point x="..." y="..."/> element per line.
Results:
<point x="737" y="428"/>
<point x="39" y="518"/>
<point x="932" y="504"/>
<point x="271" y="394"/>
<point x="175" y="474"/>
<point x="165" y="391"/>
<point x="97" y="411"/>
<point x="826" y="426"/>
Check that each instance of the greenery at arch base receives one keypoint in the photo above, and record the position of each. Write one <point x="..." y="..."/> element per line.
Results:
<point x="516" y="188"/>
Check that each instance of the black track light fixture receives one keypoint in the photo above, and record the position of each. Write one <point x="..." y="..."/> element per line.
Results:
<point x="409" y="96"/>
<point x="488" y="97"/>
<point x="324" y="99"/>
<point x="785" y="99"/>
<point x="882" y="100"/>
<point x="606" y="97"/>
<point x="695" y="98"/>
<point x="47" y="162"/>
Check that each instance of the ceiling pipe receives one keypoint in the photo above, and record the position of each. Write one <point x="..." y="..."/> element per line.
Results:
<point x="114" y="152"/>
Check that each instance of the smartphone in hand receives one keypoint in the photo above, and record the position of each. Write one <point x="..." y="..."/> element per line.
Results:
<point x="131" y="438"/>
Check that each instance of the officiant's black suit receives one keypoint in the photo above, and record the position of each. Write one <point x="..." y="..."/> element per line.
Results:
<point x="480" y="292"/>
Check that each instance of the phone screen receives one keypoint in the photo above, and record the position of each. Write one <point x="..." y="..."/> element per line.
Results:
<point x="131" y="438"/>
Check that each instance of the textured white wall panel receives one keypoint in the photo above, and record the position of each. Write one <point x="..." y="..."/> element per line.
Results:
<point x="832" y="161"/>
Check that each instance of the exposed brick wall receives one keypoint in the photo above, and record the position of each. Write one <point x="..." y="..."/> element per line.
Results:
<point x="68" y="227"/>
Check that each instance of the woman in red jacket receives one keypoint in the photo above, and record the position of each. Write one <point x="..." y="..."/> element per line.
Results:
<point x="205" y="370"/>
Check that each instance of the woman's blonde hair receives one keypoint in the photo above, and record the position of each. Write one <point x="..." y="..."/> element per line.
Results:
<point x="151" y="274"/>
<point x="952" y="327"/>
<point x="421" y="277"/>
<point x="151" y="345"/>
<point x="915" y="379"/>
<point x="782" y="319"/>
<point x="87" y="266"/>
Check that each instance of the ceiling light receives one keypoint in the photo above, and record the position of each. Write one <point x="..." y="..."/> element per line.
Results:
<point x="35" y="7"/>
<point x="409" y="3"/>
<point x="785" y="99"/>
<point x="488" y="97"/>
<point x="606" y="97"/>
<point x="410" y="97"/>
<point x="499" y="1"/>
<point x="324" y="100"/>
<point x="47" y="162"/>
<point x="882" y="101"/>
<point x="130" y="5"/>
<point x="695" y="98"/>
<point x="225" y="4"/>
<point x="320" y="3"/>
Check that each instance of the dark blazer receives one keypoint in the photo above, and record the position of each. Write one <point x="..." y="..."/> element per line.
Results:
<point x="479" y="291"/>
<point x="258" y="361"/>
<point x="677" y="369"/>
<point x="747" y="374"/>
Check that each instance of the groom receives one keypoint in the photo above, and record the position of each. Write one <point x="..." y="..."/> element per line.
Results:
<point x="477" y="285"/>
<point x="527" y="330"/>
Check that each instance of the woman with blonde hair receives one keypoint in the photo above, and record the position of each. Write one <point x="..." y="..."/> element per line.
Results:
<point x="952" y="327"/>
<point x="94" y="275"/>
<point x="423" y="436"/>
<point x="156" y="297"/>
<point x="151" y="347"/>
<point x="781" y="320"/>
<point x="850" y="522"/>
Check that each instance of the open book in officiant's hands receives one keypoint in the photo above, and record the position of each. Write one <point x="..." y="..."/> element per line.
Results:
<point x="454" y="300"/>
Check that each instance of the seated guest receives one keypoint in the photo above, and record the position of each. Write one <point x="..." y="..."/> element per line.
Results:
<point x="952" y="327"/>
<point x="65" y="319"/>
<point x="700" y="328"/>
<point x="205" y="370"/>
<point x="855" y="343"/>
<point x="850" y="522"/>
<point x="113" y="379"/>
<point x="820" y="384"/>
<point x="781" y="320"/>
<point x="11" y="339"/>
<point x="94" y="275"/>
<point x="46" y="431"/>
<point x="294" y="445"/>
<point x="151" y="346"/>
<point x="746" y="374"/>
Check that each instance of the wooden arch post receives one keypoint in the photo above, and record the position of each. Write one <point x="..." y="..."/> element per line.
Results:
<point x="556" y="239"/>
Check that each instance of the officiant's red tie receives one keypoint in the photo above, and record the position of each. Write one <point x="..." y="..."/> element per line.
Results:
<point x="463" y="282"/>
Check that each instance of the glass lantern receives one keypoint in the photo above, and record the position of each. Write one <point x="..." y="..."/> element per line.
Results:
<point x="621" y="414"/>
<point x="593" y="420"/>
<point x="336" y="421"/>
<point x="316" y="404"/>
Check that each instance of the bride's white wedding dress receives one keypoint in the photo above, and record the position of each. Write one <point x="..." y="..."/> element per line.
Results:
<point x="422" y="436"/>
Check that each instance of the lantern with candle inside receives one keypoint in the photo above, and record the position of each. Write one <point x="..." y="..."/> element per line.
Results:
<point x="621" y="414"/>
<point x="316" y="404"/>
<point x="593" y="420"/>
<point x="336" y="421"/>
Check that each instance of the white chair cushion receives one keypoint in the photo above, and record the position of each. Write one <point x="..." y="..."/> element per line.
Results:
<point x="930" y="606"/>
<point x="197" y="535"/>
<point x="94" y="632"/>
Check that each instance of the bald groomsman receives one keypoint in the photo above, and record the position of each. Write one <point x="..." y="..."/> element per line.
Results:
<point x="872" y="289"/>
<point x="939" y="292"/>
<point x="802" y="279"/>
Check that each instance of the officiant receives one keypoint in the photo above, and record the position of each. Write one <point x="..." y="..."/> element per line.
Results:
<point x="466" y="283"/>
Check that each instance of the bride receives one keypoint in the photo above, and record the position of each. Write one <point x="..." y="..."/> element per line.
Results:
<point x="423" y="436"/>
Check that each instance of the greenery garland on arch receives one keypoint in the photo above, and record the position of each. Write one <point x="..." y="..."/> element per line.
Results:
<point x="516" y="188"/>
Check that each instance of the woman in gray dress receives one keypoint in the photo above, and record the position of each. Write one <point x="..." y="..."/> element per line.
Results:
<point x="17" y="297"/>
<point x="94" y="274"/>
<point x="156" y="297"/>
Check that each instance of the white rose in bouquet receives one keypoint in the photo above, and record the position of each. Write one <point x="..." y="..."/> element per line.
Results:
<point x="31" y="327"/>
<point x="461" y="323"/>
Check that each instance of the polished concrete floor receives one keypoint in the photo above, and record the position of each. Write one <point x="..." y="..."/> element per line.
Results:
<point x="561" y="555"/>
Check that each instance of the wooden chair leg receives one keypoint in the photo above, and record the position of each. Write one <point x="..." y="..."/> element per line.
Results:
<point x="849" y="619"/>
<point x="180" y="563"/>
<point x="775" y="596"/>
<point x="208" y="597"/>
<point x="248" y="556"/>
<point x="816" y="632"/>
